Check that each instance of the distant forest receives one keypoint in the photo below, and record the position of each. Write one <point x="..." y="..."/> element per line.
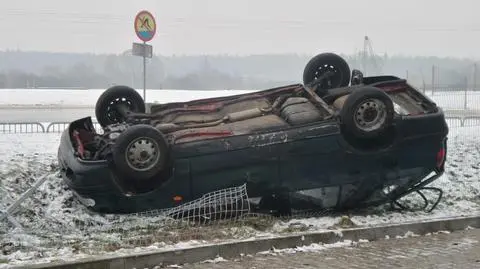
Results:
<point x="21" y="69"/>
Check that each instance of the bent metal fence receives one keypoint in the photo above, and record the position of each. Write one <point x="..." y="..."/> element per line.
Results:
<point x="223" y="214"/>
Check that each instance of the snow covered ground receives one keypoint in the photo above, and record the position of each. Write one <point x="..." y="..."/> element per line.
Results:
<point x="58" y="227"/>
<point x="88" y="98"/>
<point x="57" y="105"/>
<point x="59" y="97"/>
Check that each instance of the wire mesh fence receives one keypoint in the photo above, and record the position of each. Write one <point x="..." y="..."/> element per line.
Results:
<point x="66" y="224"/>
<point x="96" y="233"/>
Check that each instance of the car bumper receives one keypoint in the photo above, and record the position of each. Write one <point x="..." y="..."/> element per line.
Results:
<point x="97" y="187"/>
<point x="90" y="181"/>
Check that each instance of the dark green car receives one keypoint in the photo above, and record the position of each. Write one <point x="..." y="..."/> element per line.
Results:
<point x="345" y="136"/>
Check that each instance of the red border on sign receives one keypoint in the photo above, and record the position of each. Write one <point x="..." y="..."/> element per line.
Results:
<point x="135" y="25"/>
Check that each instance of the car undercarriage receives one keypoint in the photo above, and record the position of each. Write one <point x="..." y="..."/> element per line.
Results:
<point x="281" y="108"/>
<point x="336" y="130"/>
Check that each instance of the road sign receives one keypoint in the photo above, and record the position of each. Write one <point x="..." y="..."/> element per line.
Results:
<point x="142" y="50"/>
<point x="145" y="26"/>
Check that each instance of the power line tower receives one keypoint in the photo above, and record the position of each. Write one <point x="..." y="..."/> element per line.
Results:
<point x="369" y="58"/>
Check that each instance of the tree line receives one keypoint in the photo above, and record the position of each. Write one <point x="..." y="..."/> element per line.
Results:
<point x="21" y="69"/>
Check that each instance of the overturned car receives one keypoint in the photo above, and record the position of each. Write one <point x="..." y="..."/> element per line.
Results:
<point x="337" y="141"/>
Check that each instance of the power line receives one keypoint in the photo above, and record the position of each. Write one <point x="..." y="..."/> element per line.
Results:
<point x="224" y="22"/>
<point x="50" y="12"/>
<point x="265" y="24"/>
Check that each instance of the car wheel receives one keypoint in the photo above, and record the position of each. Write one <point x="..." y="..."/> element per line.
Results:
<point x="367" y="113"/>
<point x="323" y="63"/>
<point x="140" y="152"/>
<point x="107" y="108"/>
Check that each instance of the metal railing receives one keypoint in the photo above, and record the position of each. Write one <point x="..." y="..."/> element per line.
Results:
<point x="58" y="127"/>
<point x="21" y="127"/>
<point x="36" y="127"/>
<point x="455" y="121"/>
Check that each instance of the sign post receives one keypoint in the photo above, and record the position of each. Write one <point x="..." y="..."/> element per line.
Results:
<point x="145" y="28"/>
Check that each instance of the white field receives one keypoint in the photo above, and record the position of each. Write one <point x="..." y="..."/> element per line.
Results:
<point x="68" y="98"/>
<point x="43" y="105"/>
<point x="87" y="98"/>
<point x="27" y="155"/>
<point x="57" y="105"/>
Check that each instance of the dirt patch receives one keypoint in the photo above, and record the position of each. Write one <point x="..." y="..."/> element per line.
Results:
<point x="344" y="222"/>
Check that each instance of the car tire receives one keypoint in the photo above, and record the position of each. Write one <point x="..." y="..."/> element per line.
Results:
<point x="367" y="113"/>
<point x="140" y="152"/>
<point x="322" y="63"/>
<point x="105" y="108"/>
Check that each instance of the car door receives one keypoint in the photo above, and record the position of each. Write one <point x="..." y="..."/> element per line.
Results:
<point x="233" y="161"/>
<point x="310" y="157"/>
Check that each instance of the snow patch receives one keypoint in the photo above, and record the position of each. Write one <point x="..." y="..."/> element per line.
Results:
<point x="315" y="247"/>
<point x="216" y="260"/>
<point x="408" y="234"/>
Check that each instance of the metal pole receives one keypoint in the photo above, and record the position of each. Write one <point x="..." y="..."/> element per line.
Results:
<point x="12" y="208"/>
<point x="144" y="76"/>
<point x="475" y="77"/>
<point x="433" y="79"/>
<point x="364" y="58"/>
<point x="465" y="95"/>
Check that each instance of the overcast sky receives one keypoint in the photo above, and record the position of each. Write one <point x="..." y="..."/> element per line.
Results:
<point x="411" y="27"/>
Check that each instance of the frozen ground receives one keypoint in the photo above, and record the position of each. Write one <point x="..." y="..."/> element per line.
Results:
<point x="87" y="98"/>
<point x="61" y="226"/>
<point x="54" y="97"/>
<point x="46" y="105"/>
<point x="36" y="114"/>
<point x="49" y="105"/>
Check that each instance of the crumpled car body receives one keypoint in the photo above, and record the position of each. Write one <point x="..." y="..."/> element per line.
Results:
<point x="294" y="146"/>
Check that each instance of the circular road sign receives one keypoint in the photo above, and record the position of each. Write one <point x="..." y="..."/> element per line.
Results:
<point x="145" y="26"/>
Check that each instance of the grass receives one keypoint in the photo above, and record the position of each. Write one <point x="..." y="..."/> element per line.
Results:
<point x="176" y="232"/>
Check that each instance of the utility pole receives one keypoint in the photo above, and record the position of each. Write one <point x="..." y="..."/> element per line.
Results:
<point x="364" y="56"/>
<point x="465" y="94"/>
<point x="433" y="79"/>
<point x="369" y="57"/>
<point x="474" y="76"/>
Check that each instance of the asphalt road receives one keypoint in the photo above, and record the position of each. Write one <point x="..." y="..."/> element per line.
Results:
<point x="457" y="250"/>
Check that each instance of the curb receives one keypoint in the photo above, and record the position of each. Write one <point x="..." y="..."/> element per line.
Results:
<point x="253" y="246"/>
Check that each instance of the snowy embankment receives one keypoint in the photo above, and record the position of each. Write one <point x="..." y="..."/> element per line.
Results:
<point x="59" y="224"/>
